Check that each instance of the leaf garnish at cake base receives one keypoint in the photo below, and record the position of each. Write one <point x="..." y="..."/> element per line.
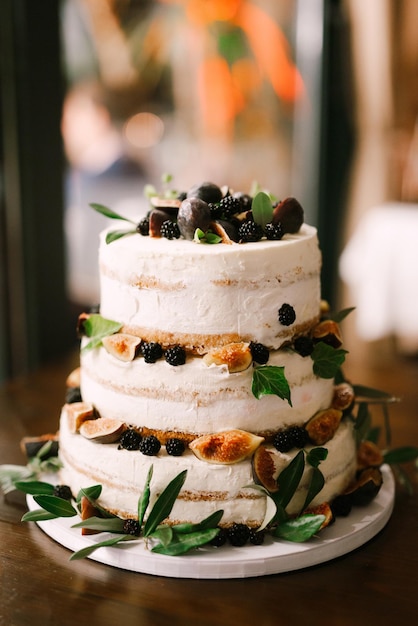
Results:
<point x="327" y="360"/>
<point x="107" y="524"/>
<point x="183" y="543"/>
<point x="262" y="209"/>
<point x="112" y="541"/>
<point x="270" y="380"/>
<point x="54" y="506"/>
<point x="299" y="529"/>
<point x="225" y="448"/>
<point x="145" y="497"/>
<point x="164" y="503"/>
<point x="96" y="328"/>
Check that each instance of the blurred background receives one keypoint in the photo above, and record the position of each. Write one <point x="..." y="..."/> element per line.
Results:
<point x="312" y="98"/>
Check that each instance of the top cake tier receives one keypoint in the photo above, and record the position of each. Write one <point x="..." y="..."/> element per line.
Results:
<point x="203" y="296"/>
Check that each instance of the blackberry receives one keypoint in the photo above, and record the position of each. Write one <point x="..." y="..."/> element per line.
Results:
<point x="287" y="315"/>
<point x="294" y="437"/>
<point x="304" y="345"/>
<point x="150" y="446"/>
<point x="174" y="446"/>
<point x="256" y="537"/>
<point x="250" y="231"/>
<point x="229" y="206"/>
<point x="341" y="505"/>
<point x="151" y="351"/>
<point x="220" y="538"/>
<point x="73" y="394"/>
<point x="170" y="230"/>
<point x="274" y="231"/>
<point x="299" y="436"/>
<point x="63" y="491"/>
<point x="143" y="227"/>
<point x="215" y="211"/>
<point x="130" y="440"/>
<point x="175" y="355"/>
<point x="131" y="527"/>
<point x="282" y="441"/>
<point x="259" y="352"/>
<point x="238" y="534"/>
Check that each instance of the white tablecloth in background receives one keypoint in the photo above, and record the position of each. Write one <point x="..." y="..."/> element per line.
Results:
<point x="380" y="266"/>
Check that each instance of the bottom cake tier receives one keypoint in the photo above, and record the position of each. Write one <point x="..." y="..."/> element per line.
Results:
<point x="208" y="486"/>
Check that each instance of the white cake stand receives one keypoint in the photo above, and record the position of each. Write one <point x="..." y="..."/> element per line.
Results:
<point x="273" y="557"/>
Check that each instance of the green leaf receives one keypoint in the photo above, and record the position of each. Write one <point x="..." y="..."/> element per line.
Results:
<point x="270" y="513"/>
<point x="327" y="360"/>
<point x="112" y="525"/>
<point x="57" y="506"/>
<point x="289" y="479"/>
<point x="404" y="454"/>
<point x="164" y="534"/>
<point x="81" y="554"/>
<point x="341" y="315"/>
<point x="144" y="499"/>
<point x="316" y="456"/>
<point x="164" y="503"/>
<point x="208" y="237"/>
<point x="270" y="380"/>
<point x="91" y="493"/>
<point x="96" y="327"/>
<point x="104" y="210"/>
<point x="34" y="487"/>
<point x="183" y="543"/>
<point x="10" y="474"/>
<point x="150" y="191"/>
<point x="114" y="235"/>
<point x="209" y="522"/>
<point x="299" y="529"/>
<point x="363" y="422"/>
<point x="262" y="209"/>
<point x="316" y="483"/>
<point x="38" y="515"/>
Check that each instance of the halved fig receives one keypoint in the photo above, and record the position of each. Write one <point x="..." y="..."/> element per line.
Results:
<point x="77" y="413"/>
<point x="329" y="332"/>
<point x="168" y="204"/>
<point x="368" y="455"/>
<point x="226" y="448"/>
<point x="122" y="346"/>
<point x="343" y="397"/>
<point x="225" y="230"/>
<point x="264" y="468"/>
<point x="237" y="356"/>
<point x="102" y="430"/>
<point x="323" y="425"/>
<point x="156" y="218"/>
<point x="322" y="509"/>
<point x="366" y="487"/>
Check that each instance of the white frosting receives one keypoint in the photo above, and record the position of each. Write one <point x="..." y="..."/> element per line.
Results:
<point x="199" y="399"/>
<point x="122" y="474"/>
<point x="179" y="286"/>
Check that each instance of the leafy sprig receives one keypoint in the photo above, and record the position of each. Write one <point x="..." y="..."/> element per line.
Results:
<point x="270" y="380"/>
<point x="96" y="328"/>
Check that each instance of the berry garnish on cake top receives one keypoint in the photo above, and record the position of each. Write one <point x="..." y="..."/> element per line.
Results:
<point x="207" y="213"/>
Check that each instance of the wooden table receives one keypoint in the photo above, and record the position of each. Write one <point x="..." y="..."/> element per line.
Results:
<point x="375" y="584"/>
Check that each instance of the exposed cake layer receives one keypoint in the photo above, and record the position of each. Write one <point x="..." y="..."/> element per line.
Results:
<point x="194" y="399"/>
<point x="201" y="296"/>
<point x="208" y="486"/>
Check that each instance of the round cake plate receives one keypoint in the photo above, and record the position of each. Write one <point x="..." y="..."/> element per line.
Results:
<point x="273" y="557"/>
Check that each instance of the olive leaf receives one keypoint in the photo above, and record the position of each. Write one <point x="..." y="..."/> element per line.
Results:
<point x="114" y="235"/>
<point x="299" y="529"/>
<point x="183" y="543"/>
<point x="38" y="515"/>
<point x="164" y="503"/>
<point x="164" y="534"/>
<point x="341" y="315"/>
<point x="289" y="479"/>
<point x="34" y="487"/>
<point x="81" y="554"/>
<point x="104" y="210"/>
<point x="56" y="506"/>
<point x="316" y="483"/>
<point x="113" y="524"/>
<point x="404" y="454"/>
<point x="270" y="380"/>
<point x="144" y="499"/>
<point x="262" y="209"/>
